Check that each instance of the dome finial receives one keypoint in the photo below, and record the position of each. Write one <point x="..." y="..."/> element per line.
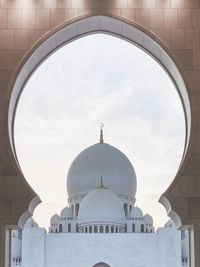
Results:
<point x="101" y="183"/>
<point x="101" y="133"/>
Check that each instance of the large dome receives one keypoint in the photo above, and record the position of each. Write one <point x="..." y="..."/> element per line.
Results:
<point x="101" y="206"/>
<point x="101" y="160"/>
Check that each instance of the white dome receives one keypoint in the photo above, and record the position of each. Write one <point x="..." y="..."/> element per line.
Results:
<point x="148" y="219"/>
<point x="30" y="223"/>
<point x="136" y="212"/>
<point x="101" y="160"/>
<point x="66" y="213"/>
<point x="101" y="205"/>
<point x="55" y="219"/>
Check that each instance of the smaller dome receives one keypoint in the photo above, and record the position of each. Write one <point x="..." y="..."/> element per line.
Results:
<point x="55" y="219"/>
<point x="170" y="223"/>
<point x="30" y="223"/>
<point x="101" y="206"/>
<point x="136" y="212"/>
<point x="148" y="219"/>
<point x="66" y="213"/>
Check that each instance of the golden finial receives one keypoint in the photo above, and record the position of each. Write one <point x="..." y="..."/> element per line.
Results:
<point x="101" y="133"/>
<point x="101" y="183"/>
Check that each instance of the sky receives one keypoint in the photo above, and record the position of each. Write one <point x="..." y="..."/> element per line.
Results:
<point x="99" y="78"/>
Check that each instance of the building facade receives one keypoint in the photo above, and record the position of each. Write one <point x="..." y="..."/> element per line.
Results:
<point x="101" y="224"/>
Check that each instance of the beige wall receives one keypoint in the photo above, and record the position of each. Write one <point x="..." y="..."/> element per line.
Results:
<point x="175" y="23"/>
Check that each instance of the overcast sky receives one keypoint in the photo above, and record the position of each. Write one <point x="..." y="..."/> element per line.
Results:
<point x="97" y="79"/>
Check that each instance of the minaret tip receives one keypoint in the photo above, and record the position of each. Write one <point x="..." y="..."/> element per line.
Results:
<point x="101" y="183"/>
<point x="101" y="133"/>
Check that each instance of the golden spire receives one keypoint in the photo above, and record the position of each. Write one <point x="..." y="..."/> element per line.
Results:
<point x="101" y="133"/>
<point x="101" y="183"/>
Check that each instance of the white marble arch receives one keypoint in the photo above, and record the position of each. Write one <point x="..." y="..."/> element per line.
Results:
<point x="109" y="25"/>
<point x="178" y="205"/>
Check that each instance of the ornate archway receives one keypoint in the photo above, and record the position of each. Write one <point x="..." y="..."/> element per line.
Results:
<point x="182" y="198"/>
<point x="114" y="26"/>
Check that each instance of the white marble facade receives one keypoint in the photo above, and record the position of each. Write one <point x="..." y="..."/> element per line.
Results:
<point x="101" y="224"/>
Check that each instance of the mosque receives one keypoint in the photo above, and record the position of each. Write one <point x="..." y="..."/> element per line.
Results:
<point x="101" y="226"/>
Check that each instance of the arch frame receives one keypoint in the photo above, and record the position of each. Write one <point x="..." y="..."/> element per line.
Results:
<point x="115" y="26"/>
<point x="169" y="63"/>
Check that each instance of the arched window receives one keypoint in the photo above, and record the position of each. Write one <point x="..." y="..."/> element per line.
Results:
<point x="112" y="229"/>
<point x="60" y="228"/>
<point x="76" y="209"/>
<point x="126" y="209"/>
<point x="95" y="229"/>
<point x="142" y="228"/>
<point x="90" y="229"/>
<point x="107" y="229"/>
<point x="133" y="228"/>
<point x="101" y="229"/>
<point x="72" y="210"/>
<point x="130" y="208"/>
<point x="125" y="228"/>
<point x="69" y="227"/>
<point x="116" y="229"/>
<point x="77" y="228"/>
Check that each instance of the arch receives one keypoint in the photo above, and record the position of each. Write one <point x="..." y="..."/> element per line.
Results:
<point x="72" y="210"/>
<point x="76" y="209"/>
<point x="101" y="229"/>
<point x="142" y="228"/>
<point x="90" y="25"/>
<point x="133" y="228"/>
<point x="77" y="228"/>
<point x="60" y="228"/>
<point x="125" y="228"/>
<point x="101" y="264"/>
<point x="69" y="227"/>
<point x="166" y="62"/>
<point x="126" y="209"/>
<point x="95" y="229"/>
